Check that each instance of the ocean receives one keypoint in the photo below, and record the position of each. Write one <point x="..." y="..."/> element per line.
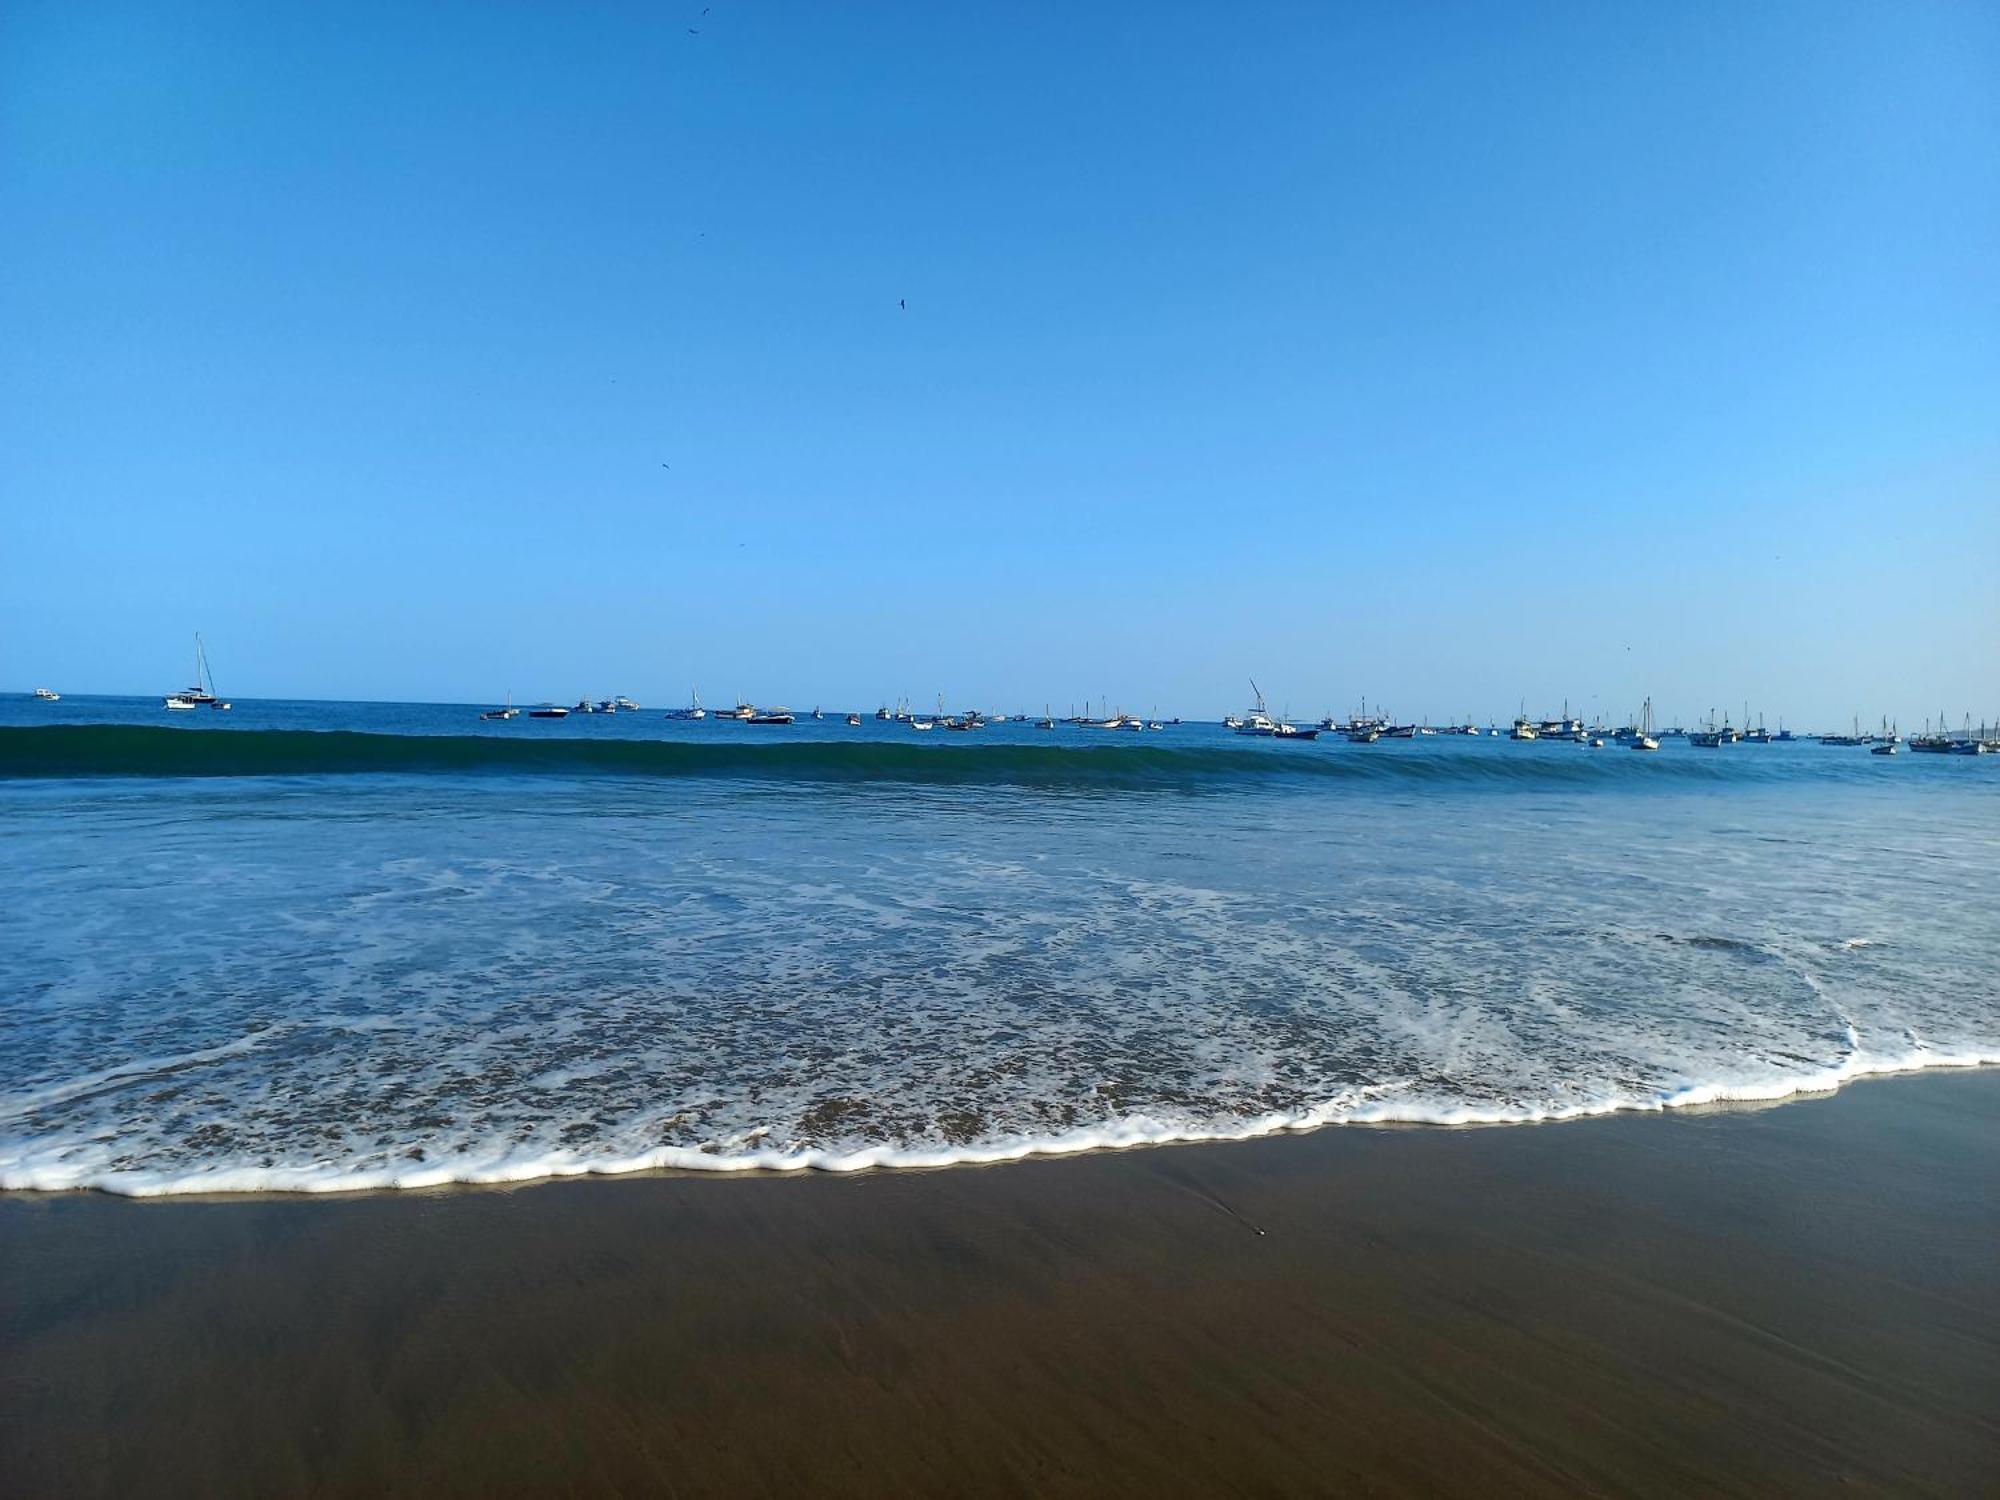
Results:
<point x="334" y="946"/>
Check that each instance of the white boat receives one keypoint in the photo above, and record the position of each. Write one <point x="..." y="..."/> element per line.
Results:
<point x="1258" y="721"/>
<point x="509" y="712"/>
<point x="694" y="710"/>
<point x="854" y="721"/>
<point x="202" y="694"/>
<point x="1645" y="739"/>
<point x="47" y="695"/>
<point x="922" y="724"/>
<point x="627" y="704"/>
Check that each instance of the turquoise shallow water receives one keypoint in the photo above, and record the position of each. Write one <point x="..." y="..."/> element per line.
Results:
<point x="324" y="945"/>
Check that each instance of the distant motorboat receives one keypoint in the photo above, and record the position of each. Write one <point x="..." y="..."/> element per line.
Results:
<point x="694" y="710"/>
<point x="853" y="721"/>
<point x="771" y="716"/>
<point x="509" y="712"/>
<point x="1362" y="734"/>
<point x="921" y="724"/>
<point x="584" y="706"/>
<point x="549" y="711"/>
<point x="742" y="711"/>
<point x="627" y="704"/>
<point x="47" y="695"/>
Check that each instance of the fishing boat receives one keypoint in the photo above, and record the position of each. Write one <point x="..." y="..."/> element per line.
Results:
<point x="1523" y="730"/>
<point x="771" y="716"/>
<point x="1259" y="722"/>
<point x="509" y="712"/>
<point x="1645" y="739"/>
<point x="47" y="695"/>
<point x="694" y="710"/>
<point x="742" y="712"/>
<point x="853" y="721"/>
<point x="202" y="694"/>
<point x="916" y="723"/>
<point x="1362" y="734"/>
<point x="549" y="711"/>
<point x="1045" y="722"/>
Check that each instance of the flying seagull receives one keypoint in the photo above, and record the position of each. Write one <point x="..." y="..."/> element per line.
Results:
<point x="903" y="302"/>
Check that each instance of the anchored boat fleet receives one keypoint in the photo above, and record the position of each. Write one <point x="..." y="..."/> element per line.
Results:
<point x="1362" y="727"/>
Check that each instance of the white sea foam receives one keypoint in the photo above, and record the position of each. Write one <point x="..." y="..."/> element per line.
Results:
<point x="409" y="989"/>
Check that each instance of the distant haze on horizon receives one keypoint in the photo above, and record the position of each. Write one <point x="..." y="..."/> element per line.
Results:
<point x="1458" y="357"/>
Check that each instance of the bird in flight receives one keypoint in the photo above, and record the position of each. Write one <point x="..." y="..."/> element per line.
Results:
<point x="904" y="303"/>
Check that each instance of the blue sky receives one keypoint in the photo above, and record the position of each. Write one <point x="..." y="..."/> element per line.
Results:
<point x="1455" y="355"/>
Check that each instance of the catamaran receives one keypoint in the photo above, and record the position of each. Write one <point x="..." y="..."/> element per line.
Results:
<point x="202" y="694"/>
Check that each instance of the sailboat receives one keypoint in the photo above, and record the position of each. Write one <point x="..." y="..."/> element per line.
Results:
<point x="202" y="694"/>
<point x="694" y="710"/>
<point x="509" y="712"/>
<point x="1646" y="739"/>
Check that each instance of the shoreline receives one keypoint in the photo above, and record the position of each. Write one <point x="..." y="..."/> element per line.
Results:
<point x="1138" y="1134"/>
<point x="1730" y="1299"/>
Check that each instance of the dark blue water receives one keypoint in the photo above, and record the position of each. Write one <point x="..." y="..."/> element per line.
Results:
<point x="311" y="945"/>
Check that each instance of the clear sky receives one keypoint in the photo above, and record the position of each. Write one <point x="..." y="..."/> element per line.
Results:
<point x="1452" y="354"/>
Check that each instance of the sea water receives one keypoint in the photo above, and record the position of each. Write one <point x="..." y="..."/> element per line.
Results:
<point x="339" y="946"/>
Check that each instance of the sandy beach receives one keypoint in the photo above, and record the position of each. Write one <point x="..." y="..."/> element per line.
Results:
<point x="1783" y="1300"/>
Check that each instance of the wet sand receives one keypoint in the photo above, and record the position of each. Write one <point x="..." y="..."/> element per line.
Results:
<point x="1778" y="1301"/>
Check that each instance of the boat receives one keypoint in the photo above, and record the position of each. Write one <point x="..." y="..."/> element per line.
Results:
<point x="1259" y="722"/>
<point x="584" y="706"/>
<point x="202" y="694"/>
<point x="47" y="695"/>
<point x="743" y="712"/>
<point x="882" y="714"/>
<point x="1523" y="730"/>
<point x="549" y="711"/>
<point x="1645" y="739"/>
<point x="771" y="716"/>
<point x="694" y="710"/>
<point x="853" y="721"/>
<point x="1045" y="722"/>
<point x="1362" y="734"/>
<point x="916" y="723"/>
<point x="816" y="713"/>
<point x="509" y="712"/>
<point x="627" y="704"/>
